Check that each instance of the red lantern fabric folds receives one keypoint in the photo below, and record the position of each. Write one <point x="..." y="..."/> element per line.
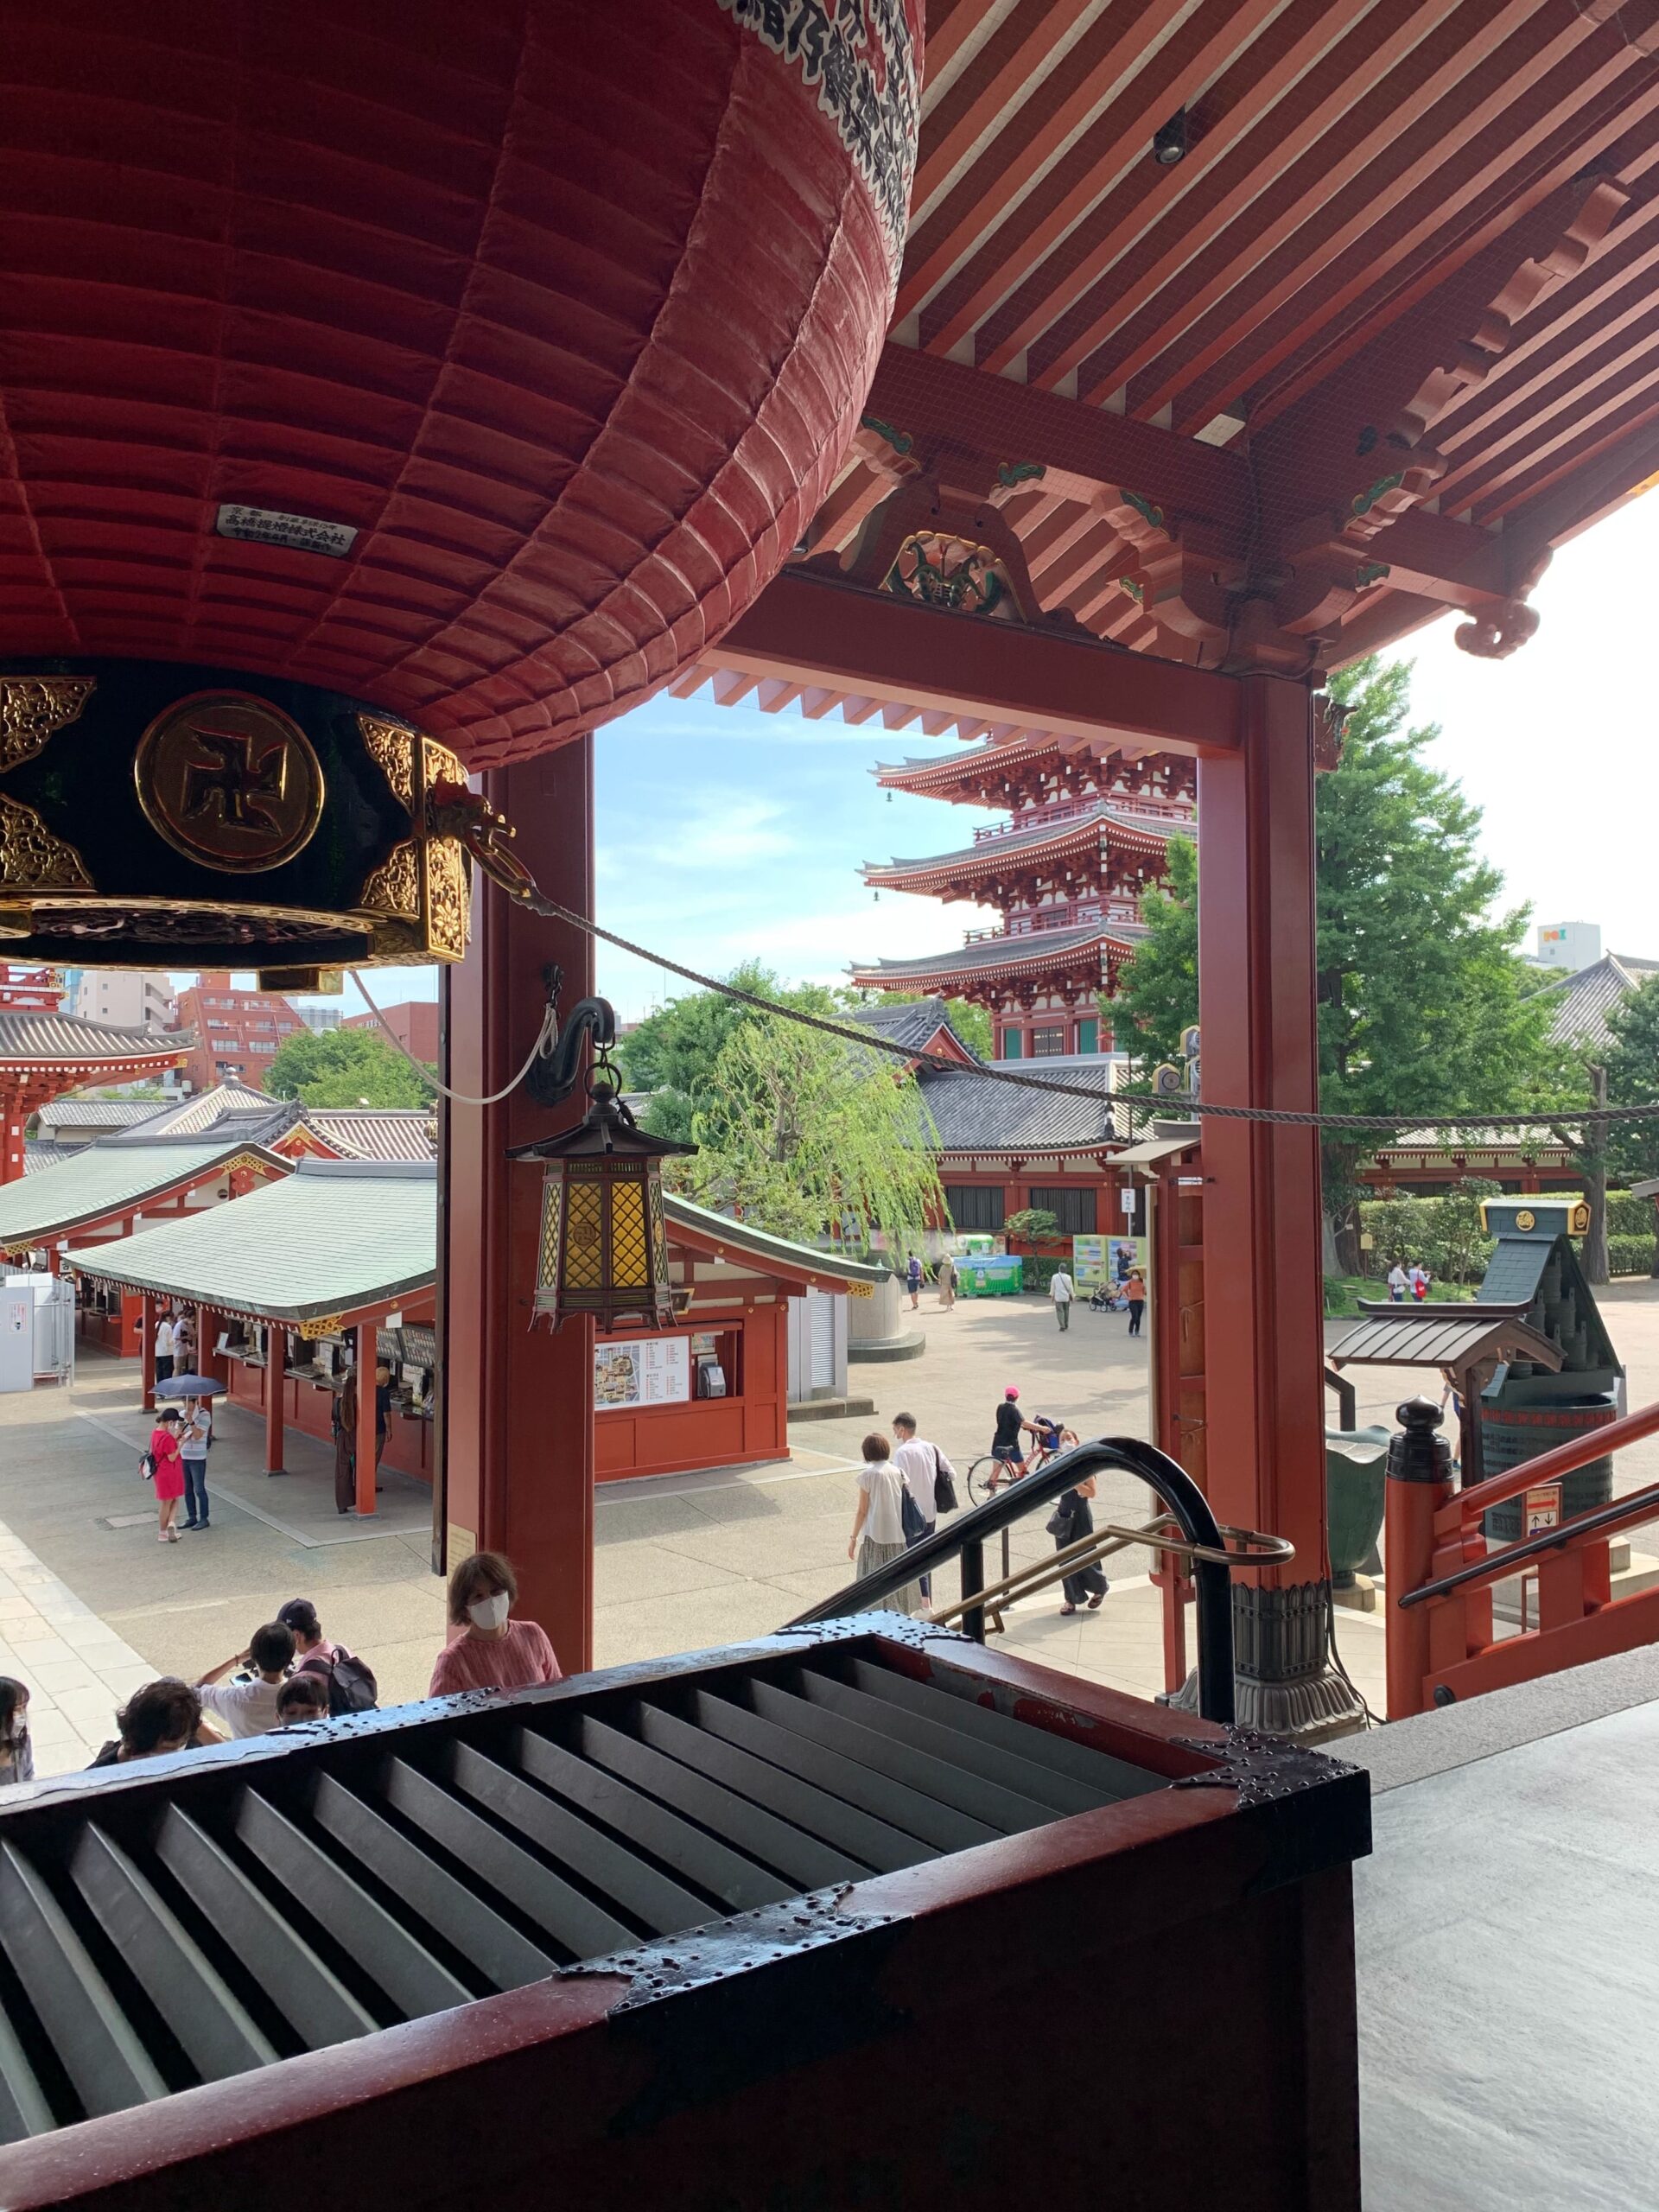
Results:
<point x="566" y="310"/>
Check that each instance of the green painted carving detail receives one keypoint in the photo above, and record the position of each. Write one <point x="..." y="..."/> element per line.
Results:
<point x="1364" y="501"/>
<point x="899" y="440"/>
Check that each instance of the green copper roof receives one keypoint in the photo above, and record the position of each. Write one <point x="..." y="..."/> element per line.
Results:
<point x="340" y="1235"/>
<point x="741" y="1236"/>
<point x="333" y="1237"/>
<point x="105" y="1179"/>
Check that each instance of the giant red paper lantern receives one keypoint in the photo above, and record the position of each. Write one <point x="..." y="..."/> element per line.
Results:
<point x="477" y="360"/>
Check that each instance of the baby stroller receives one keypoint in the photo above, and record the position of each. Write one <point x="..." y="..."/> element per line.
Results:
<point x="1107" y="1298"/>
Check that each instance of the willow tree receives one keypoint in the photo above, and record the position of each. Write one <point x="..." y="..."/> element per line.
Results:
<point x="803" y="1135"/>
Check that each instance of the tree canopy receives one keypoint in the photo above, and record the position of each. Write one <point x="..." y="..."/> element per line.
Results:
<point x="1424" y="1002"/>
<point x="1632" y="1065"/>
<point x="345" y="1067"/>
<point x="1159" y="997"/>
<point x="799" y="1132"/>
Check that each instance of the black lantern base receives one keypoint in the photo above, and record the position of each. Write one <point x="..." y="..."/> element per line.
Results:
<point x="154" y="814"/>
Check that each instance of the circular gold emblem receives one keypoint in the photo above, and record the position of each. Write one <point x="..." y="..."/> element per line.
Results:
<point x="230" y="781"/>
<point x="1526" y="1218"/>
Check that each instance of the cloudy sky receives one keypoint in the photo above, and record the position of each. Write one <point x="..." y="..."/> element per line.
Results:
<point x="725" y="833"/>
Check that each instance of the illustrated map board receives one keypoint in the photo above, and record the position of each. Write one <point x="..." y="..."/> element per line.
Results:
<point x="641" y="1371"/>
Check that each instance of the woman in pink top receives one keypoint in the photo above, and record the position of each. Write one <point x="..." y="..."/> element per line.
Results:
<point x="485" y="1650"/>
<point x="165" y="1458"/>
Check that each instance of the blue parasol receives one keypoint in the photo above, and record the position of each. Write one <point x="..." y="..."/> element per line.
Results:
<point x="190" y="1386"/>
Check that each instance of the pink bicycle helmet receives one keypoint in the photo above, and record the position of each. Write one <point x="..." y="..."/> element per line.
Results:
<point x="1010" y="1392"/>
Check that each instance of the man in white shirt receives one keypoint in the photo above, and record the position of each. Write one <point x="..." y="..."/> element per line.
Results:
<point x="1399" y="1282"/>
<point x="919" y="1464"/>
<point x="164" y="1347"/>
<point x="1060" y="1290"/>
<point x="250" y="1708"/>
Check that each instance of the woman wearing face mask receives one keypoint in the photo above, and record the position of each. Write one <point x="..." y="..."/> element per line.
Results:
<point x="17" y="1753"/>
<point x="485" y="1650"/>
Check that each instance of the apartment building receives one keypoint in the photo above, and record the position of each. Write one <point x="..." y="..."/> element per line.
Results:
<point x="237" y="1032"/>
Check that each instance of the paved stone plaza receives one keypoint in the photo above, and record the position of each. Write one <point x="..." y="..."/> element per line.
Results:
<point x="91" y="1604"/>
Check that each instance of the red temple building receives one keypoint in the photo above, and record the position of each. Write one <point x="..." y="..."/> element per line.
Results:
<point x="1084" y="838"/>
<point x="44" y="1053"/>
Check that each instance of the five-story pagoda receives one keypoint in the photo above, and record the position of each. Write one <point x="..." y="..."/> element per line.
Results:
<point x="1084" y="838"/>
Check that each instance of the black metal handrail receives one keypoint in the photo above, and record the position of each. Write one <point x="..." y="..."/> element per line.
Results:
<point x="1629" y="1512"/>
<point x="966" y="1538"/>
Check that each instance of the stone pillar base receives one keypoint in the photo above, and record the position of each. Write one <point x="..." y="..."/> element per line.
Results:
<point x="1284" y="1679"/>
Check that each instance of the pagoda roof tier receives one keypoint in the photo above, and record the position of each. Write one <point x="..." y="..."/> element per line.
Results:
<point x="994" y="773"/>
<point x="1085" y="848"/>
<point x="1009" y="960"/>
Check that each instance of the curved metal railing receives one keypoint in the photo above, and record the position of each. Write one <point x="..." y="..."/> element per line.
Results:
<point x="965" y="1538"/>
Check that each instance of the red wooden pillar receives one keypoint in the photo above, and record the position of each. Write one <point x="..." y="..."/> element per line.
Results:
<point x="147" y="1353"/>
<point x="276" y="1391"/>
<point x="1264" y="1319"/>
<point x="518" y="1401"/>
<point x="14" y="1112"/>
<point x="366" y="1347"/>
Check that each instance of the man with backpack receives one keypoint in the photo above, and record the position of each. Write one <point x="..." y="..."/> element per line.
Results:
<point x="350" y="1680"/>
<point x="930" y="1485"/>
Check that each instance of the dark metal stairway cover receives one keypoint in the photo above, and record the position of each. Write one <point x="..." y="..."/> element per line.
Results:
<point x="169" y="1927"/>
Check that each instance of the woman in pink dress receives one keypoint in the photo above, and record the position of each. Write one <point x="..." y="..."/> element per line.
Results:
<point x="486" y="1650"/>
<point x="169" y="1463"/>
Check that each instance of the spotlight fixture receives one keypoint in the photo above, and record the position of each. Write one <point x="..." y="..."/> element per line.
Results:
<point x="1169" y="143"/>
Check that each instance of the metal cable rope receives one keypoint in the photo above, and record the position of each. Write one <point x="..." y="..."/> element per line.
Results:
<point x="551" y="907"/>
<point x="484" y="840"/>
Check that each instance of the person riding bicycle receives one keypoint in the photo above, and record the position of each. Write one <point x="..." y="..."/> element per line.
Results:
<point x="1006" y="1447"/>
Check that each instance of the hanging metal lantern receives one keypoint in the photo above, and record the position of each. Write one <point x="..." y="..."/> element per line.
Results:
<point x="603" y="1249"/>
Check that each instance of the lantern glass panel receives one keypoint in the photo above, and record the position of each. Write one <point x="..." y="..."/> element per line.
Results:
<point x="629" y="1245"/>
<point x="584" y="1234"/>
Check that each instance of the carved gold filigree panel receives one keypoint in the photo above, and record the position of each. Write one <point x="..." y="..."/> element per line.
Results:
<point x="446" y="898"/>
<point x="31" y="858"/>
<point x="393" y="748"/>
<point x="33" y="707"/>
<point x="326" y="1324"/>
<point x="394" y="887"/>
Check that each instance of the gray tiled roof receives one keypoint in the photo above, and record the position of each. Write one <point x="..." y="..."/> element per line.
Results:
<point x="39" y="1154"/>
<point x="976" y="1112"/>
<point x="1590" y="996"/>
<point x="29" y="1035"/>
<point x="377" y="1132"/>
<point x="912" y="1025"/>
<point x="97" y="1113"/>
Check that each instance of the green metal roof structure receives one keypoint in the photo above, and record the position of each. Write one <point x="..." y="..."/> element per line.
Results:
<point x="335" y="1237"/>
<point x="345" y="1236"/>
<point x="112" y="1177"/>
<point x="757" y="1244"/>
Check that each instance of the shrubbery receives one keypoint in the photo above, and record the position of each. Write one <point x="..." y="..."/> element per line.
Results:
<point x="1444" y="1233"/>
<point x="1631" y="1255"/>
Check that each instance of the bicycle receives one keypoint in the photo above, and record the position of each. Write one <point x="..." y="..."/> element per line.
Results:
<point x="988" y="1475"/>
